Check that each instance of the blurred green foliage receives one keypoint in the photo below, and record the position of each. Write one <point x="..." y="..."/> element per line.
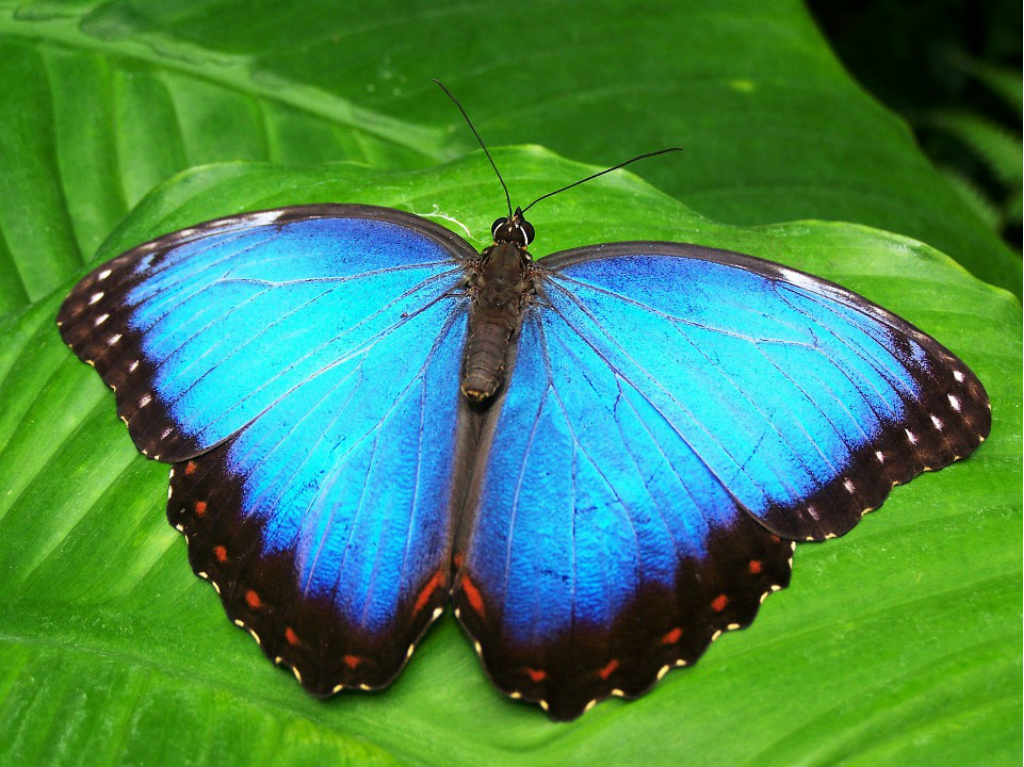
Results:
<point x="953" y="70"/>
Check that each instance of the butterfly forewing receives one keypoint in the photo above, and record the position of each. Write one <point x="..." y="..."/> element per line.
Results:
<point x="200" y="331"/>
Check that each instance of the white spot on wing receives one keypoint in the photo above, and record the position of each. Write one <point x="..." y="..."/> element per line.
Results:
<point x="910" y="437"/>
<point x="103" y="275"/>
<point x="100" y="320"/>
<point x="95" y="297"/>
<point x="848" y="484"/>
<point x="954" y="402"/>
<point x="879" y="456"/>
<point x="113" y="339"/>
<point x="959" y="376"/>
<point x="936" y="422"/>
<point x="146" y="399"/>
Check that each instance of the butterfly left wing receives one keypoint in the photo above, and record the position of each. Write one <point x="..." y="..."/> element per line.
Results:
<point x="300" y="368"/>
<point x="675" y="418"/>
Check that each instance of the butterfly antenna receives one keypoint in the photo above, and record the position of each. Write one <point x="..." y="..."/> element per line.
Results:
<point x="607" y="170"/>
<point x="508" y="199"/>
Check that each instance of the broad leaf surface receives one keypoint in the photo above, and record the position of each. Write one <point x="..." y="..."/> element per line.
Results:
<point x="103" y="100"/>
<point x="899" y="643"/>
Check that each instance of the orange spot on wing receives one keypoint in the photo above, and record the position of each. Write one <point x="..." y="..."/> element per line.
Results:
<point x="253" y="599"/>
<point x="220" y="553"/>
<point x="352" y="660"/>
<point x="755" y="566"/>
<point x="718" y="603"/>
<point x="200" y="508"/>
<point x="673" y="636"/>
<point x="190" y="467"/>
<point x="609" y="667"/>
<point x="290" y="636"/>
<point x="776" y="539"/>
<point x="535" y="674"/>
<point x="428" y="591"/>
<point x="472" y="595"/>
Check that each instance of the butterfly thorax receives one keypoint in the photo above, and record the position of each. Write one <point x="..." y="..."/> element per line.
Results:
<point x="499" y="285"/>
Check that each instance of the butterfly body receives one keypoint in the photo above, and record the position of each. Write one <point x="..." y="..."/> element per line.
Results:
<point x="602" y="459"/>
<point x="501" y="286"/>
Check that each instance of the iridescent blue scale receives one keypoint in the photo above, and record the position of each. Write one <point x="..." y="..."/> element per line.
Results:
<point x="672" y="419"/>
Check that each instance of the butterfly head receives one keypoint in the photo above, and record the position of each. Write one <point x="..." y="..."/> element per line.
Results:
<point x="514" y="229"/>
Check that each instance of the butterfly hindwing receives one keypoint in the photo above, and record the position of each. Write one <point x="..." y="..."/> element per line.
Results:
<point x="324" y="524"/>
<point x="601" y="554"/>
<point x="675" y="417"/>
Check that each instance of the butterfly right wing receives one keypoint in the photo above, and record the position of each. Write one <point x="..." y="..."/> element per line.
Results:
<point x="675" y="418"/>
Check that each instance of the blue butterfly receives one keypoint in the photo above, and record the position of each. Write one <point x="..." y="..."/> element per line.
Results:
<point x="602" y="459"/>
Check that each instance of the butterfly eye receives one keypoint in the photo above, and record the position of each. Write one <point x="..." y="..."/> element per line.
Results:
<point x="518" y="231"/>
<point x="498" y="223"/>
<point x="526" y="228"/>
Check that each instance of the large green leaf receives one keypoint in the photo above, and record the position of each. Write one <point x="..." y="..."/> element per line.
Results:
<point x="102" y="100"/>
<point x="899" y="643"/>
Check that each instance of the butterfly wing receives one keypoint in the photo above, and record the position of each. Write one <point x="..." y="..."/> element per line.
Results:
<point x="300" y="368"/>
<point x="675" y="417"/>
<point x="200" y="331"/>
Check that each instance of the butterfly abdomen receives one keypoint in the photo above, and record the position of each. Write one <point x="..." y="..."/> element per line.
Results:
<point x="499" y="285"/>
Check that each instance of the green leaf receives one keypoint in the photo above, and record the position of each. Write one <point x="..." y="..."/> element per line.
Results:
<point x="974" y="197"/>
<point x="1002" y="82"/>
<point x="992" y="143"/>
<point x="899" y="643"/>
<point x="102" y="100"/>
